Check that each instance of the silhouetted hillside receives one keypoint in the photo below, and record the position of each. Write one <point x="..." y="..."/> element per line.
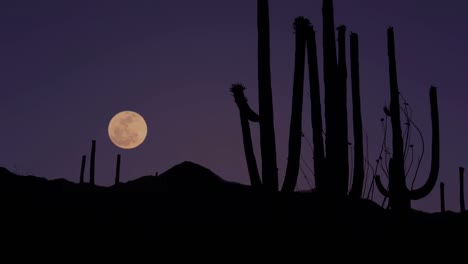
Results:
<point x="10" y="182"/>
<point x="185" y="177"/>
<point x="189" y="201"/>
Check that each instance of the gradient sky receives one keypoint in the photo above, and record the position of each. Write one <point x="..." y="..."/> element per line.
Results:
<point x="68" y="66"/>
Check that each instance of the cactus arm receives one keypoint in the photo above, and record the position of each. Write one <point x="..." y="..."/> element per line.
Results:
<point x="251" y="115"/>
<point x="242" y="103"/>
<point x="434" y="173"/>
<point x="249" y="154"/>
<point x="380" y="187"/>
<point x="244" y="110"/>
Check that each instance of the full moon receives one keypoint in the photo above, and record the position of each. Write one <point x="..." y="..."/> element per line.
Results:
<point x="127" y="130"/>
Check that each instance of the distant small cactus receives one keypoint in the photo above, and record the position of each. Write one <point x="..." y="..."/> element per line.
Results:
<point x="442" y="197"/>
<point x="83" y="164"/>
<point x="91" y="167"/>
<point x="117" y="171"/>
<point x="462" y="190"/>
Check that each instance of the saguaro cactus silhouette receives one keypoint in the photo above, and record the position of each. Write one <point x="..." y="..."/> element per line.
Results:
<point x="316" y="110"/>
<point x="358" y="174"/>
<point x="399" y="195"/>
<point x="342" y="163"/>
<point x="82" y="171"/>
<point x="462" y="189"/>
<point x="332" y="171"/>
<point x="117" y="170"/>
<point x="265" y="101"/>
<point x="335" y="113"/>
<point x="330" y="77"/>
<point x="91" y="166"/>
<point x="295" y="131"/>
<point x="246" y="115"/>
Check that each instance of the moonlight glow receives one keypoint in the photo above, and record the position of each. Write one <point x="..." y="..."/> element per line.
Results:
<point x="127" y="130"/>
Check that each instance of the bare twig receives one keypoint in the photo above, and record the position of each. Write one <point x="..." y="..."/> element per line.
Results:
<point x="412" y="159"/>
<point x="306" y="178"/>
<point x="308" y="167"/>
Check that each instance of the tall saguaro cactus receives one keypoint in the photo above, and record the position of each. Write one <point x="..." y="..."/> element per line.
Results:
<point x="331" y="114"/>
<point x="335" y="106"/>
<point x="265" y="103"/>
<point x="91" y="166"/>
<point x="342" y="164"/>
<point x="331" y="164"/>
<point x="117" y="171"/>
<point x="398" y="178"/>
<point x="316" y="111"/>
<point x="358" y="179"/>
<point x="295" y="131"/>
<point x="331" y="171"/>
<point x="82" y="171"/>
<point x="399" y="195"/>
<point x="269" y="179"/>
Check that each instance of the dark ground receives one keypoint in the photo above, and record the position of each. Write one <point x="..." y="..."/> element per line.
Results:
<point x="190" y="203"/>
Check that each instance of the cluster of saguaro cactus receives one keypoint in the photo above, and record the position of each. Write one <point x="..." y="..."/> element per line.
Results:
<point x="330" y="158"/>
<point x="92" y="169"/>
<point x="332" y="168"/>
<point x="399" y="194"/>
<point x="269" y="179"/>
<point x="331" y="171"/>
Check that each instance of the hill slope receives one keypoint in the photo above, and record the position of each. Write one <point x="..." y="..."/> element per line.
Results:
<point x="191" y="201"/>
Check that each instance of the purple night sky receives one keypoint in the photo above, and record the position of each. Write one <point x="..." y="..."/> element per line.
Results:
<point x="69" y="66"/>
